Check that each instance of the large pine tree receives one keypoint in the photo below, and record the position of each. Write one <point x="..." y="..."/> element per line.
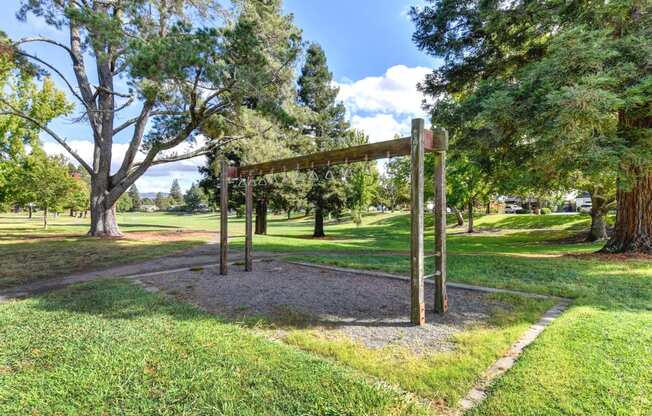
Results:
<point x="326" y="126"/>
<point x="187" y="63"/>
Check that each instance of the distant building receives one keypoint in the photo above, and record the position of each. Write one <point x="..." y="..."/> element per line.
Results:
<point x="148" y="208"/>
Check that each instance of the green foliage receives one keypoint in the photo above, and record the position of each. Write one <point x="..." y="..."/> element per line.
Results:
<point x="46" y="181"/>
<point x="326" y="126"/>
<point x="134" y="197"/>
<point x="79" y="196"/>
<point x="19" y="92"/>
<point x="546" y="211"/>
<point x="162" y="202"/>
<point x="194" y="197"/>
<point x="125" y="203"/>
<point x="548" y="89"/>
<point x="176" y="197"/>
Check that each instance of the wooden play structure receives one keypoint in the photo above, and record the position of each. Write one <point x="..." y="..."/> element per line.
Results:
<point x="419" y="142"/>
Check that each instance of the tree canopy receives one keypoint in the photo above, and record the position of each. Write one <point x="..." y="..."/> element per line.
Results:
<point x="187" y="64"/>
<point x="551" y="89"/>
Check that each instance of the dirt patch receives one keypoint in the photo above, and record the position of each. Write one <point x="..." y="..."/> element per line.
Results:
<point x="368" y="309"/>
<point x="167" y="235"/>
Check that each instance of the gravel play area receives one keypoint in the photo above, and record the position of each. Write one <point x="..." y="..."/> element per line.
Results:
<point x="370" y="309"/>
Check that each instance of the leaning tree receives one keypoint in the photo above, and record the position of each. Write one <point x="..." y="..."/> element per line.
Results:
<point x="161" y="71"/>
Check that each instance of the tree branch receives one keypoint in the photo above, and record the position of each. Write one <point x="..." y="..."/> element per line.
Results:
<point x="43" y="39"/>
<point x="198" y="152"/>
<point x="49" y="131"/>
<point x="55" y="70"/>
<point x="151" y="114"/>
<point x="136" y="140"/>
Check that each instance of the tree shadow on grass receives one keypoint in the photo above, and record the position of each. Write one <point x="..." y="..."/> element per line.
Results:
<point x="30" y="261"/>
<point x="116" y="299"/>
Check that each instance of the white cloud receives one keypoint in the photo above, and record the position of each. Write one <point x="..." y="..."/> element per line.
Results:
<point x="393" y="92"/>
<point x="380" y="127"/>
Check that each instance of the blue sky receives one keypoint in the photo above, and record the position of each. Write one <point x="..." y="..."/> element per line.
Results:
<point x="369" y="49"/>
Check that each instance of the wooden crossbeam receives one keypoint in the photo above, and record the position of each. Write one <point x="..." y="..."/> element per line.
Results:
<point x="434" y="141"/>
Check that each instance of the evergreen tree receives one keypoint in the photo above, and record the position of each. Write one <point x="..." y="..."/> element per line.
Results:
<point x="187" y="63"/>
<point x="134" y="195"/>
<point x="162" y="202"/>
<point x="553" y="90"/>
<point x="176" y="197"/>
<point x="325" y="126"/>
<point x="194" y="197"/>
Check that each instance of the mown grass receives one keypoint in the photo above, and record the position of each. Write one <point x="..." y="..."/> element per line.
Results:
<point x="110" y="348"/>
<point x="26" y="249"/>
<point x="443" y="377"/>
<point x="594" y="359"/>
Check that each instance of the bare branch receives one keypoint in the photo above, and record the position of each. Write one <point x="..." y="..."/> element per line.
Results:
<point x="49" y="131"/>
<point x="151" y="114"/>
<point x="109" y="91"/>
<point x="55" y="70"/>
<point x="43" y="39"/>
<point x="198" y="152"/>
<point x="136" y="140"/>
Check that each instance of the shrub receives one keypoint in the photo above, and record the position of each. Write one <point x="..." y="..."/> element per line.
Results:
<point x="546" y="211"/>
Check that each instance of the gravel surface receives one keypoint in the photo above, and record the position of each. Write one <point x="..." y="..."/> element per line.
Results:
<point x="369" y="309"/>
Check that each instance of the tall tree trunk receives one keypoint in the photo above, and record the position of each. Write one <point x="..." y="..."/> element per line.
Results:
<point x="289" y="214"/>
<point x="633" y="230"/>
<point x="261" y="217"/>
<point x="459" y="216"/>
<point x="599" y="210"/>
<point x="104" y="222"/>
<point x="45" y="217"/>
<point x="29" y="207"/>
<point x="488" y="208"/>
<point x="319" y="222"/>
<point x="470" y="208"/>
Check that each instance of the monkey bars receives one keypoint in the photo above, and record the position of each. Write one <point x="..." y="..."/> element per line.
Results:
<point x="419" y="142"/>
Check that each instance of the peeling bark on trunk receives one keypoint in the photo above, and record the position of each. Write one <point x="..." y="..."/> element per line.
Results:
<point x="319" y="222"/>
<point x="104" y="222"/>
<point x="633" y="229"/>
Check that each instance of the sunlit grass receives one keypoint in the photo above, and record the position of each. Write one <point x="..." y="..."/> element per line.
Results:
<point x="110" y="348"/>
<point x="442" y="377"/>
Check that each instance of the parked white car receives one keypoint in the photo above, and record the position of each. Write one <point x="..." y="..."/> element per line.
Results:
<point x="512" y="208"/>
<point x="585" y="208"/>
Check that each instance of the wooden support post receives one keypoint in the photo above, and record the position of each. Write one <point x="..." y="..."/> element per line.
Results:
<point x="417" y="306"/>
<point x="224" y="217"/>
<point x="441" y="297"/>
<point x="249" y="227"/>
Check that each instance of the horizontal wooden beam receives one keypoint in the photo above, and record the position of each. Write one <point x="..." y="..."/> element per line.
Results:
<point x="434" y="141"/>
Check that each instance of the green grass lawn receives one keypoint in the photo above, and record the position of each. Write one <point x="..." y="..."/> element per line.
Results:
<point x="595" y="359"/>
<point x="110" y="348"/>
